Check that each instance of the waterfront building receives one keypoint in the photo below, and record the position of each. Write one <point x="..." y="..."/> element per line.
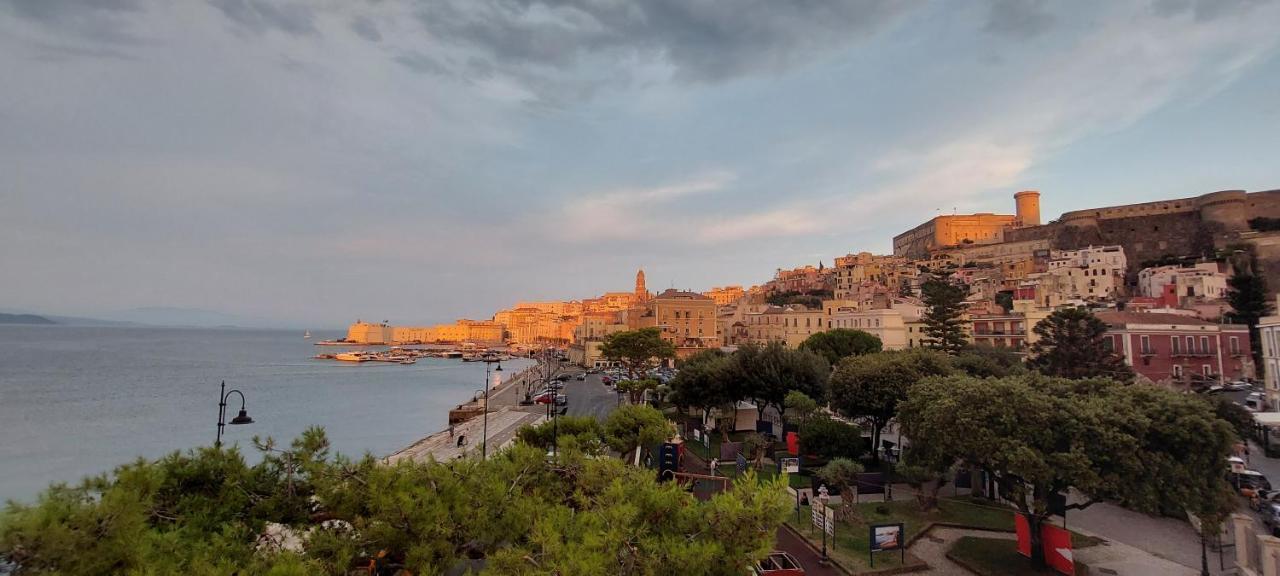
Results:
<point x="1177" y="350"/>
<point x="369" y="333"/>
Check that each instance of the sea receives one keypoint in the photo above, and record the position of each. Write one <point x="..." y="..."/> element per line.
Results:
<point x="77" y="401"/>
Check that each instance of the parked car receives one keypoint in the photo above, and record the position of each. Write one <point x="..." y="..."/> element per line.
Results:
<point x="562" y="400"/>
<point x="608" y="380"/>
<point x="778" y="563"/>
<point x="581" y="377"/>
<point x="1262" y="499"/>
<point x="1271" y="517"/>
<point x="564" y="377"/>
<point x="1250" y="482"/>
<point x="545" y="397"/>
<point x="1239" y="385"/>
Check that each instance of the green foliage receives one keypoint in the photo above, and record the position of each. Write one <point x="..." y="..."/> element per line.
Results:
<point x="835" y="344"/>
<point x="1247" y="294"/>
<point x="871" y="386"/>
<point x="842" y="473"/>
<point x="754" y="446"/>
<point x="1235" y="415"/>
<point x="768" y="373"/>
<point x="202" y="512"/>
<point x="635" y="389"/>
<point x="637" y="350"/>
<point x="1040" y="436"/>
<point x="826" y="438"/>
<point x="1005" y="300"/>
<point x="586" y="433"/>
<point x="942" y="318"/>
<point x="1071" y="346"/>
<point x="636" y="426"/>
<point x="811" y="299"/>
<point x="800" y="407"/>
<point x="988" y="362"/>
<point x="705" y="380"/>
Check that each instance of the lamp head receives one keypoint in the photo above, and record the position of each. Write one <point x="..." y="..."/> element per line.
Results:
<point x="242" y="418"/>
<point x="499" y="368"/>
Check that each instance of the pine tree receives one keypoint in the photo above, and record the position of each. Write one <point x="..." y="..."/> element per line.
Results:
<point x="1071" y="345"/>
<point x="1247" y="294"/>
<point x="943" y="326"/>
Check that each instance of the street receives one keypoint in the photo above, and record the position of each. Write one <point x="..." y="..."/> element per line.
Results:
<point x="590" y="397"/>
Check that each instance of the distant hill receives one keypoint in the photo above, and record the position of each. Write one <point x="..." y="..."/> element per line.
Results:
<point x="24" y="319"/>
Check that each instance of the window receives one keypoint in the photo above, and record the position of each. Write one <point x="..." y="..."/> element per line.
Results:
<point x="1206" y="369"/>
<point x="1175" y="345"/>
<point x="1191" y="344"/>
<point x="1177" y="371"/>
<point x="1204" y="344"/>
<point x="1146" y="344"/>
<point x="1108" y="344"/>
<point x="1235" y="345"/>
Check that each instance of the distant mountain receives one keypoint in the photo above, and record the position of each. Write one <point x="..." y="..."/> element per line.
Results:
<point x="186" y="317"/>
<point x="24" y="319"/>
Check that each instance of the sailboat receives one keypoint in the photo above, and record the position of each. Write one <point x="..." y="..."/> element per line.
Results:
<point x="307" y="335"/>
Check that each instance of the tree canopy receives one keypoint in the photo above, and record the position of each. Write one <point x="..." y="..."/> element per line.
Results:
<point x="1143" y="447"/>
<point x="1247" y="294"/>
<point x="1071" y="345"/>
<point x="705" y="381"/>
<point x="943" y="325"/>
<point x="871" y="386"/>
<point x="637" y="350"/>
<point x="636" y="426"/>
<point x="835" y="344"/>
<point x="768" y="373"/>
<point x="204" y="512"/>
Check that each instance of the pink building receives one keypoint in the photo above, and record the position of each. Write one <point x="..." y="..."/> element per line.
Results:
<point x="1176" y="349"/>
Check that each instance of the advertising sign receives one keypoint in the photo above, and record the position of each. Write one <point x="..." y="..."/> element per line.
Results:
<point x="789" y="465"/>
<point x="885" y="537"/>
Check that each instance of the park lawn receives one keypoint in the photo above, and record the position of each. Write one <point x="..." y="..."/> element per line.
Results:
<point x="770" y="471"/>
<point x="993" y="557"/>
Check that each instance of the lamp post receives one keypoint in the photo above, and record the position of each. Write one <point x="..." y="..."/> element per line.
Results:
<point x="241" y="418"/>
<point x="484" y="447"/>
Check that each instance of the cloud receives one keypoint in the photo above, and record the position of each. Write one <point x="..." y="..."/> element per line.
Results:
<point x="260" y="16"/>
<point x="99" y="23"/>
<point x="364" y="27"/>
<point x="696" y="41"/>
<point x="1019" y="18"/>
<point x="631" y="213"/>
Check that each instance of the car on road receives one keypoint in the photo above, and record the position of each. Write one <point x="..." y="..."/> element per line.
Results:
<point x="581" y="377"/>
<point x="564" y="377"/>
<point x="1250" y="482"/>
<point x="1271" y="517"/>
<point x="607" y="380"/>
<point x="778" y="563"/>
<point x="562" y="400"/>
<point x="555" y="385"/>
<point x="1239" y="385"/>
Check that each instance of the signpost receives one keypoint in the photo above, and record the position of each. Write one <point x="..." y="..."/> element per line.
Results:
<point x="822" y="520"/>
<point x="887" y="538"/>
<point x="789" y="465"/>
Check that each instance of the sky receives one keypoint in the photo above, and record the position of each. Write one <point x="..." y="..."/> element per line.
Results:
<point x="310" y="163"/>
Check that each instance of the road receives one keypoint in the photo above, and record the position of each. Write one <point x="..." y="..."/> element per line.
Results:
<point x="808" y="559"/>
<point x="590" y="397"/>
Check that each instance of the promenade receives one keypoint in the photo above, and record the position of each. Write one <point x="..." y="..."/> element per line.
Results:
<point x="506" y="418"/>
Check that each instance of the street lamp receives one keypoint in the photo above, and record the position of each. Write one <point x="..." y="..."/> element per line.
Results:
<point x="241" y="418"/>
<point x="484" y="447"/>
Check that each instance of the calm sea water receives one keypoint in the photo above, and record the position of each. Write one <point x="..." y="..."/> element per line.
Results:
<point x="80" y="400"/>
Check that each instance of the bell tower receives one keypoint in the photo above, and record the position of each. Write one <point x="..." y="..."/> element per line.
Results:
<point x="642" y="293"/>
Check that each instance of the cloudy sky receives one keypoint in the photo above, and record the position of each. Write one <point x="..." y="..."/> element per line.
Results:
<point x="313" y="162"/>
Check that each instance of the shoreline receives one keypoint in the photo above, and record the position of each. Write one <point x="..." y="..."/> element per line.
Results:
<point x="505" y="418"/>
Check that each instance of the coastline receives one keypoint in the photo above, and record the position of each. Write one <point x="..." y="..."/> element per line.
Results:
<point x="505" y="418"/>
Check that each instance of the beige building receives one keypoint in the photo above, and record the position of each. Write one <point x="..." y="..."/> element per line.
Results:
<point x="1269" y="332"/>
<point x="724" y="296"/>
<point x="370" y="333"/>
<point x="1203" y="281"/>
<point x="967" y="229"/>
<point x="686" y="319"/>
<point x="886" y="324"/>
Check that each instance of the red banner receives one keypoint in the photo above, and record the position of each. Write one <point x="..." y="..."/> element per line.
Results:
<point x="1056" y="542"/>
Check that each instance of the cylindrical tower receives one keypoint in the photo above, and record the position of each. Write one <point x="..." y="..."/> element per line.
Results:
<point x="1028" y="203"/>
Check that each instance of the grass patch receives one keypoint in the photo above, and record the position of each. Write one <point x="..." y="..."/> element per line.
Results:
<point x="993" y="557"/>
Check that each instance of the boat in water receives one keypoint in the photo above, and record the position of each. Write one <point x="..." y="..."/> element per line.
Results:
<point x="353" y="357"/>
<point x="307" y="336"/>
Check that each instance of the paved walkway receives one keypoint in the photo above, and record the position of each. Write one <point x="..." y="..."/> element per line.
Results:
<point x="503" y="425"/>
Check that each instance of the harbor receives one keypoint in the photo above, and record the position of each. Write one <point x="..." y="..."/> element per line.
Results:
<point x="408" y="355"/>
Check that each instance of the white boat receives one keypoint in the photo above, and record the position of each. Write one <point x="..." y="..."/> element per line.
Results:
<point x="352" y="357"/>
<point x="307" y="335"/>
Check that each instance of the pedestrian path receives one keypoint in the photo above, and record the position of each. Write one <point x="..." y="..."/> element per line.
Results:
<point x="932" y="548"/>
<point x="444" y="445"/>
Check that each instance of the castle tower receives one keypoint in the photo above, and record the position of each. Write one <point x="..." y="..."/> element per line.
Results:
<point x="1028" y="208"/>
<point x="642" y="293"/>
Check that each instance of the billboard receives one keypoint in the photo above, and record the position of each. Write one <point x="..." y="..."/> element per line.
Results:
<point x="1056" y="542"/>
<point x="886" y="537"/>
<point x="789" y="465"/>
